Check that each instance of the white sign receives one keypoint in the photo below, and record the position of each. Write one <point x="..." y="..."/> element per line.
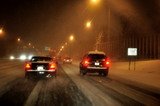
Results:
<point x="132" y="51"/>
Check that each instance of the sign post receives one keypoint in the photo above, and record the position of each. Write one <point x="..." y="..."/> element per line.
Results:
<point x="132" y="52"/>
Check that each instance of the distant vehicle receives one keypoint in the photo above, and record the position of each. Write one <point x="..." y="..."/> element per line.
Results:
<point x="41" y="65"/>
<point x="67" y="60"/>
<point x="95" y="62"/>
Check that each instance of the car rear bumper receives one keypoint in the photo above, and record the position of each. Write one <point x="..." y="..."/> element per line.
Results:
<point x="95" y="69"/>
<point x="40" y="70"/>
<point x="33" y="72"/>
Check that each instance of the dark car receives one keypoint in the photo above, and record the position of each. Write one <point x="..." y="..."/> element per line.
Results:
<point x="95" y="62"/>
<point x="67" y="60"/>
<point x="41" y="66"/>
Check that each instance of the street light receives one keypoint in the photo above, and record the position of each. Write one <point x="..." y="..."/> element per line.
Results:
<point x="19" y="39"/>
<point x="62" y="47"/>
<point x="88" y="24"/>
<point x="71" y="38"/>
<point x="1" y="31"/>
<point x="66" y="43"/>
<point x="29" y="44"/>
<point x="95" y="2"/>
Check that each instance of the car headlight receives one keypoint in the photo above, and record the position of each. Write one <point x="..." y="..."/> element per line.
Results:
<point x="11" y="57"/>
<point x="23" y="57"/>
<point x="30" y="56"/>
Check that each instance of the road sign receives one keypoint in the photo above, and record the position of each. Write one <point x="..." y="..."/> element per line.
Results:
<point x="132" y="51"/>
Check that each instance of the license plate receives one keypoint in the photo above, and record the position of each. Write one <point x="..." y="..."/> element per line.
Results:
<point x="96" y="63"/>
<point x="40" y="68"/>
<point x="41" y="72"/>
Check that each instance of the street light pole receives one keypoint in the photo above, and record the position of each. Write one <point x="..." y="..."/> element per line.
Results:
<point x="108" y="35"/>
<point x="99" y="41"/>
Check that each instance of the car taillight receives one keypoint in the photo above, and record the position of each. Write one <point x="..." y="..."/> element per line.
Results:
<point x="107" y="62"/>
<point x="28" y="66"/>
<point x="86" y="62"/>
<point x="52" y="66"/>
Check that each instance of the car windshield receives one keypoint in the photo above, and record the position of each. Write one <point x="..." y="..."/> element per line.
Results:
<point x="35" y="59"/>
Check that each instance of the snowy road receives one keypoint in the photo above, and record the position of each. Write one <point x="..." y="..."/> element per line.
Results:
<point x="69" y="89"/>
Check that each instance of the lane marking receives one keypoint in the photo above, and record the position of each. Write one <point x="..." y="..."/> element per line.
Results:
<point x="96" y="96"/>
<point x="33" y="97"/>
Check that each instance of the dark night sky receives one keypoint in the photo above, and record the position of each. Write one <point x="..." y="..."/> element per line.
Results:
<point x="49" y="22"/>
<point x="37" y="21"/>
<point x="31" y="18"/>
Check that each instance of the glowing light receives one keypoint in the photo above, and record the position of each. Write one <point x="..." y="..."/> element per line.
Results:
<point x="94" y="1"/>
<point x="71" y="38"/>
<point x="18" y="39"/>
<point x="12" y="58"/>
<point x="1" y="31"/>
<point x="23" y="57"/>
<point x="88" y="24"/>
<point x="30" y="56"/>
<point x="29" y="44"/>
<point x="28" y="66"/>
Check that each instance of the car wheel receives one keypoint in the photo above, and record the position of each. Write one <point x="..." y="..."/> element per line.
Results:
<point x="82" y="72"/>
<point x="54" y="74"/>
<point x="100" y="73"/>
<point x="105" y="73"/>
<point x="27" y="75"/>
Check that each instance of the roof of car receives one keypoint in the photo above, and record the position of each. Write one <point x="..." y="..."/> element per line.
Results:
<point x="96" y="52"/>
<point x="41" y="57"/>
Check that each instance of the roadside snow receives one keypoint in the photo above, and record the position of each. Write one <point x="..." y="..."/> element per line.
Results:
<point x="146" y="72"/>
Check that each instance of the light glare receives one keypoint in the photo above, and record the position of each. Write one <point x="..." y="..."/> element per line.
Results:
<point x="12" y="57"/>
<point x="94" y="1"/>
<point x="23" y="57"/>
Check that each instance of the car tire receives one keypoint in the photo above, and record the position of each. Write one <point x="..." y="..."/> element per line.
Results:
<point x="53" y="74"/>
<point x="105" y="73"/>
<point x="100" y="73"/>
<point x="82" y="72"/>
<point x="27" y="75"/>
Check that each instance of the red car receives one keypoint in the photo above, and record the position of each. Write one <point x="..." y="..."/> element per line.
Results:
<point x="41" y="66"/>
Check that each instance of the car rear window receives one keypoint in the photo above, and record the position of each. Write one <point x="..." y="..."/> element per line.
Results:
<point x="96" y="56"/>
<point x="35" y="59"/>
<point x="67" y="58"/>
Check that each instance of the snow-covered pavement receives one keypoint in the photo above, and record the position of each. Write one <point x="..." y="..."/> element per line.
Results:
<point x="146" y="73"/>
